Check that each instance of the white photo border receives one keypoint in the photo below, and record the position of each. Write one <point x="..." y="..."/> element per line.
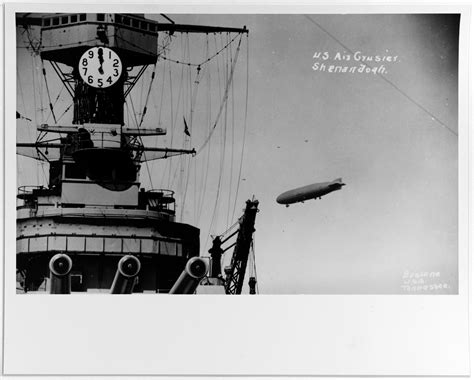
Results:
<point x="240" y="336"/>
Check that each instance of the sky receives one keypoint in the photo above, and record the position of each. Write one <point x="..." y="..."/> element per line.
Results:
<point x="391" y="136"/>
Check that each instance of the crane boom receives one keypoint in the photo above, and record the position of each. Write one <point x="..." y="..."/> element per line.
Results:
<point x="236" y="273"/>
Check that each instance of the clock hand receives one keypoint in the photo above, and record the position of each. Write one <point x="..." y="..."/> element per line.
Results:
<point x="101" y="61"/>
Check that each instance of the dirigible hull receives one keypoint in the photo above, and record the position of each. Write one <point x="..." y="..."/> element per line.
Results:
<point x="316" y="190"/>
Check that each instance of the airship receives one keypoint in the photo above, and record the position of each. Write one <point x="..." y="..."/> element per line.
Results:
<point x="316" y="190"/>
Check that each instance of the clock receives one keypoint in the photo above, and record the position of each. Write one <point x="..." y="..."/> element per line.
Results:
<point x="100" y="67"/>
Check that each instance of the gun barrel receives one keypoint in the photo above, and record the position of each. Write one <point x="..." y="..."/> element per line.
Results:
<point x="124" y="280"/>
<point x="60" y="267"/>
<point x="196" y="268"/>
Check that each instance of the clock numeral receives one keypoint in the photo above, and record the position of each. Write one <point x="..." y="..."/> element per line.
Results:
<point x="109" y="80"/>
<point x="85" y="70"/>
<point x="91" y="54"/>
<point x="116" y="63"/>
<point x="116" y="72"/>
<point x="85" y="62"/>
<point x="99" y="82"/>
<point x="110" y="54"/>
<point x="90" y="80"/>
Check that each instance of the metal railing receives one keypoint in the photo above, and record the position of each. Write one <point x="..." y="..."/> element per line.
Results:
<point x="28" y="189"/>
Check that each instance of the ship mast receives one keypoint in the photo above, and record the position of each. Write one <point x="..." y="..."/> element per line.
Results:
<point x="118" y="236"/>
<point x="95" y="100"/>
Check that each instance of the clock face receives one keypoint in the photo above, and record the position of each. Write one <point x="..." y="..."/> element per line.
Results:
<point x="100" y="67"/>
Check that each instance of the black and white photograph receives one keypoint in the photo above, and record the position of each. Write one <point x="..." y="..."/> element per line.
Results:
<point x="279" y="156"/>
<point x="229" y="154"/>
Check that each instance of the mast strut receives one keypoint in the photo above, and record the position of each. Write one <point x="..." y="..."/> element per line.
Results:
<point x="66" y="79"/>
<point x="133" y="80"/>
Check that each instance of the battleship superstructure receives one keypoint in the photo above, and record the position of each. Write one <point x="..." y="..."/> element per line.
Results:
<point x="93" y="210"/>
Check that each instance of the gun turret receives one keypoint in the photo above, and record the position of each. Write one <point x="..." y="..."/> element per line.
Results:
<point x="196" y="268"/>
<point x="60" y="267"/>
<point x="127" y="270"/>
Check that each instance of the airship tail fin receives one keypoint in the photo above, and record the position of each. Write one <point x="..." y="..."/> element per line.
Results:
<point x="337" y="183"/>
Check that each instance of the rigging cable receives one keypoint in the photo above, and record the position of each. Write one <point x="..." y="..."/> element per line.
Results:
<point x="206" y="60"/>
<point x="166" y="17"/>
<point x="158" y="109"/>
<point x="35" y="120"/>
<point x="245" y="129"/>
<point x="41" y="94"/>
<point x="56" y="101"/>
<point x="220" y="96"/>
<point x="134" y="113"/>
<point x="232" y="149"/>
<point x="187" y="139"/>
<point x="181" y="90"/>
<point x="23" y="100"/>
<point x="173" y="60"/>
<point x="197" y="191"/>
<point x="174" y="116"/>
<point x="224" y="134"/>
<point x="34" y="43"/>
<point x="23" y="111"/>
<point x="143" y="114"/>
<point x="224" y="137"/>
<point x="226" y="92"/>
<point x="206" y="160"/>
<point x="387" y="80"/>
<point x="163" y="85"/>
<point x="59" y="94"/>
<point x="218" y="192"/>
<point x="62" y="45"/>
<point x="236" y="223"/>
<point x="168" y="162"/>
<point x="65" y="111"/>
<point x="147" y="95"/>
<point x="140" y="103"/>
<point x="47" y="92"/>
<point x="140" y="138"/>
<point x="37" y="81"/>
<point x="193" y="103"/>
<point x="42" y="162"/>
